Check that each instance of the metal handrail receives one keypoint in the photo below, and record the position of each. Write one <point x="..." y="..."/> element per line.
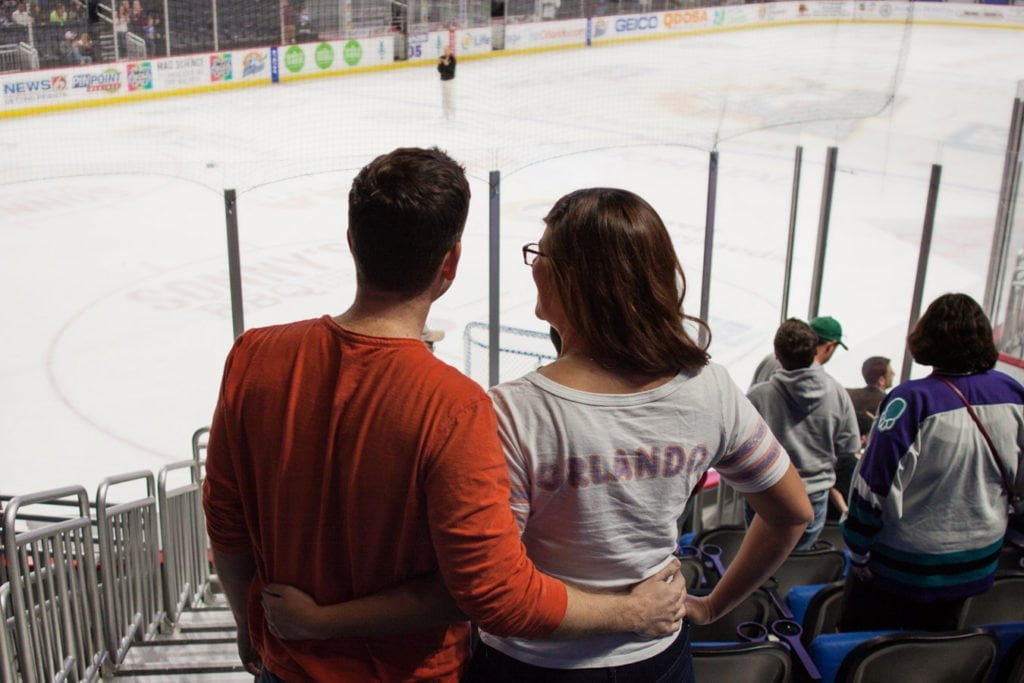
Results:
<point x="135" y="46"/>
<point x="8" y="664"/>
<point x="129" y="567"/>
<point x="54" y="592"/>
<point x="186" y="568"/>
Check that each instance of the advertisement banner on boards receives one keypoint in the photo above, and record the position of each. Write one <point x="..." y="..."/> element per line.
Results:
<point x="881" y="11"/>
<point x="473" y="41"/>
<point x="427" y="46"/>
<point x="546" y="34"/>
<point x="57" y="86"/>
<point x="334" y="56"/>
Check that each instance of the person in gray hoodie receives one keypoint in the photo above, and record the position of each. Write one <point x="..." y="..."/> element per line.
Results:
<point x="810" y="414"/>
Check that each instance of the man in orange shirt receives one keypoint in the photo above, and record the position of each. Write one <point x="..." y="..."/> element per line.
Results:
<point x="346" y="460"/>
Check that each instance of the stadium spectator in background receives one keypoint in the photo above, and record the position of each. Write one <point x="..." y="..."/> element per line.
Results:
<point x="878" y="376"/>
<point x="288" y="20"/>
<point x="59" y="15"/>
<point x="606" y="444"/>
<point x="121" y="27"/>
<point x="79" y="48"/>
<point x="830" y="335"/>
<point x="810" y="414"/>
<point x="446" y="67"/>
<point x="21" y="15"/>
<point x="345" y="459"/>
<point x="929" y="503"/>
<point x="149" y="35"/>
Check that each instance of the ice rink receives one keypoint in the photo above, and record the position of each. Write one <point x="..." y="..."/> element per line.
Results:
<point x="112" y="239"/>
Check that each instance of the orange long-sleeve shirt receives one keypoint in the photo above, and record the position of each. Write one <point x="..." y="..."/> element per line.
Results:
<point x="346" y="464"/>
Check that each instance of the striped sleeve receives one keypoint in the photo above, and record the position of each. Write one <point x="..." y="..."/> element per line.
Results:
<point x="754" y="460"/>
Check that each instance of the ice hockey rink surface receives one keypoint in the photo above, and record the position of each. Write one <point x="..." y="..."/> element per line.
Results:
<point x="112" y="238"/>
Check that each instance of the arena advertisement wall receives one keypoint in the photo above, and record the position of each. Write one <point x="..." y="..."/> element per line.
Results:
<point x="29" y="92"/>
<point x="331" y="57"/>
<point x="550" y="34"/>
<point x="427" y="47"/>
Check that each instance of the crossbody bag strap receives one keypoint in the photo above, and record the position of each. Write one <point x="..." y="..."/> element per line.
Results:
<point x="1007" y="485"/>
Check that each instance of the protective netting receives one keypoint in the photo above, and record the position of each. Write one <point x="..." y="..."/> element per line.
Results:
<point x="695" y="91"/>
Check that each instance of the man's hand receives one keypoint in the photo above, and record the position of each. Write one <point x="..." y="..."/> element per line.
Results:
<point x="660" y="602"/>
<point x="290" y="613"/>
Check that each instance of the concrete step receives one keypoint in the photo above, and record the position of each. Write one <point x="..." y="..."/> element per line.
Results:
<point x="181" y="659"/>
<point x="191" y="677"/>
<point x="206" y="619"/>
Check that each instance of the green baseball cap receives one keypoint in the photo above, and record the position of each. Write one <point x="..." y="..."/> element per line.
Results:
<point x="829" y="329"/>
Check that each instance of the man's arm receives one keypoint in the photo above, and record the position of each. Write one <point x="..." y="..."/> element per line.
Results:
<point x="653" y="607"/>
<point x="236" y="573"/>
<point x="783" y="512"/>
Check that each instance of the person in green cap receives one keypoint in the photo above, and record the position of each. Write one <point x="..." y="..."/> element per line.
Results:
<point x="810" y="414"/>
<point x="830" y="335"/>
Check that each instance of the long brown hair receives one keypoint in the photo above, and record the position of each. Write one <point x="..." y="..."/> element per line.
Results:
<point x="620" y="282"/>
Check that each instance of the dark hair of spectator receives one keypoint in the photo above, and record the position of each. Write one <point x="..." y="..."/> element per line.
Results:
<point x="795" y="344"/>
<point x="406" y="210"/>
<point x="874" y="368"/>
<point x="954" y="335"/>
<point x="620" y="282"/>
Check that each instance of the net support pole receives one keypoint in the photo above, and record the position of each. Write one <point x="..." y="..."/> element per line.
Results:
<point x="216" y="31"/>
<point x="922" y="263"/>
<point x="234" y="262"/>
<point x="167" y="29"/>
<point x="791" y="238"/>
<point x="709" y="242"/>
<point x="1004" y="212"/>
<point x="824" y="218"/>
<point x="493" y="317"/>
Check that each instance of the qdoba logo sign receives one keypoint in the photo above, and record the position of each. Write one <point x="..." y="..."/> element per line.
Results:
<point x="686" y="17"/>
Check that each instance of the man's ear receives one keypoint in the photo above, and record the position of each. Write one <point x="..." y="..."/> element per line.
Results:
<point x="451" y="262"/>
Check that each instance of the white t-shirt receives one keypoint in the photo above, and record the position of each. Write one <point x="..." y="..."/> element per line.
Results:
<point x="599" y="480"/>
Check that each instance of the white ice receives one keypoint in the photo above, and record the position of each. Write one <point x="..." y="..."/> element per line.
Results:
<point x="113" y="284"/>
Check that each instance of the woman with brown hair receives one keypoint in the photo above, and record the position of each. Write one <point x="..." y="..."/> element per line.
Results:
<point x="928" y="508"/>
<point x="606" y="444"/>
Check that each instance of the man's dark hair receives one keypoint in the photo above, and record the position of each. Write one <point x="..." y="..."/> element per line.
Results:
<point x="954" y="335"/>
<point x="874" y="368"/>
<point x="795" y="344"/>
<point x="406" y="210"/>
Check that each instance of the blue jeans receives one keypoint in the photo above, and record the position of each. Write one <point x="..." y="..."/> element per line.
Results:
<point x="674" y="665"/>
<point x="265" y="676"/>
<point x="819" y="503"/>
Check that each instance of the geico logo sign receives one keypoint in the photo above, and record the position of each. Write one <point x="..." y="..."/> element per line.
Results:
<point x="630" y="24"/>
<point x="690" y="16"/>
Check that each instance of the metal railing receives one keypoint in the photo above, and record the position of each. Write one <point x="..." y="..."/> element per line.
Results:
<point x="29" y="56"/>
<point x="8" y="665"/>
<point x="186" y="564"/>
<point x="10" y="58"/>
<point x="54" y="592"/>
<point x="135" y="46"/>
<point x="129" y="567"/>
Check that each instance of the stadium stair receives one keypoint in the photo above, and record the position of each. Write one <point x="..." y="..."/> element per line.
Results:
<point x="201" y="648"/>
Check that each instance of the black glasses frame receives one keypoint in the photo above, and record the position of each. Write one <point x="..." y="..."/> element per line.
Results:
<point x="531" y="251"/>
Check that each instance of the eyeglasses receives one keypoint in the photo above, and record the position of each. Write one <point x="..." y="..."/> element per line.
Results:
<point x="530" y="253"/>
